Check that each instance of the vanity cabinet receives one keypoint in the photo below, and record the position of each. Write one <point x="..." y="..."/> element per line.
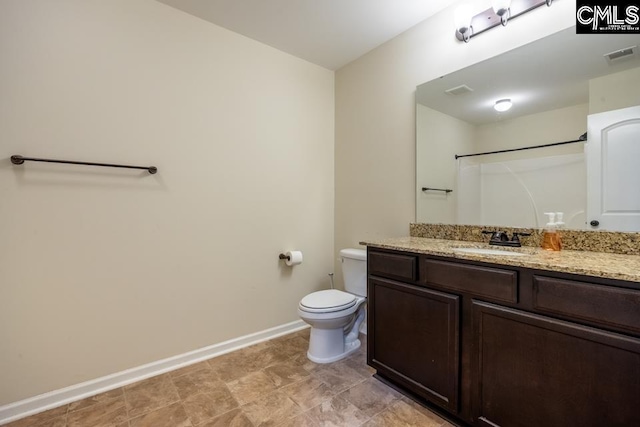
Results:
<point x="535" y="371"/>
<point x="505" y="346"/>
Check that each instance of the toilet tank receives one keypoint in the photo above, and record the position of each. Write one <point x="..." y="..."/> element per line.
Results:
<point x="354" y="271"/>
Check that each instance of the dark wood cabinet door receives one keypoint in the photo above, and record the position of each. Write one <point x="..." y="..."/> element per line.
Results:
<point x="414" y="339"/>
<point x="531" y="371"/>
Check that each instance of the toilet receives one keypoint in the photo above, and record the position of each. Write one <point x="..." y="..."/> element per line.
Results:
<point x="335" y="316"/>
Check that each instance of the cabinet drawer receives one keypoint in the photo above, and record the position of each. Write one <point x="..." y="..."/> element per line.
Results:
<point x="394" y="266"/>
<point x="493" y="283"/>
<point x="612" y="307"/>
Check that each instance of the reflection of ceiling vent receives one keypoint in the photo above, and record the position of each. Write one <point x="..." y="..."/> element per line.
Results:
<point x="626" y="53"/>
<point x="459" y="90"/>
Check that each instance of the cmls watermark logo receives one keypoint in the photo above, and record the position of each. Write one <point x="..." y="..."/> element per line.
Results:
<point x="621" y="17"/>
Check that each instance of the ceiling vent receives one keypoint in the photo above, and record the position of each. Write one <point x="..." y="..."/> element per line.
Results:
<point x="621" y="54"/>
<point x="459" y="90"/>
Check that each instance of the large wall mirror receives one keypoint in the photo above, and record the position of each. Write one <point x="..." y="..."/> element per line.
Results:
<point x="559" y="87"/>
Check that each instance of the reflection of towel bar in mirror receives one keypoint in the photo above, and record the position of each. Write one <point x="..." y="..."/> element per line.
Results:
<point x="446" y="190"/>
<point x="582" y="138"/>
<point x="18" y="160"/>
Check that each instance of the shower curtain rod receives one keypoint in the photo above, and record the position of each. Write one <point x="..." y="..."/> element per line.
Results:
<point x="582" y="138"/>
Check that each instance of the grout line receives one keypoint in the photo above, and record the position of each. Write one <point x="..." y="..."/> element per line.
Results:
<point x="126" y="404"/>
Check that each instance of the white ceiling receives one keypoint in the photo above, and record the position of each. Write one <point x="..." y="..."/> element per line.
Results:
<point x="330" y="33"/>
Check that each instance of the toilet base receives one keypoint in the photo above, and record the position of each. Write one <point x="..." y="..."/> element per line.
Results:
<point x="349" y="348"/>
<point x="334" y="336"/>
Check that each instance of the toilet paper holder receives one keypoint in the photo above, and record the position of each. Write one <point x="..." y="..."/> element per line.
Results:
<point x="291" y="258"/>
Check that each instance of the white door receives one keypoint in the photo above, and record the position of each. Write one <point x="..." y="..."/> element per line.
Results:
<point x="613" y="170"/>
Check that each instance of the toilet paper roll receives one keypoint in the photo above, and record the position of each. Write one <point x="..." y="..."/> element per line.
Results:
<point x="293" y="258"/>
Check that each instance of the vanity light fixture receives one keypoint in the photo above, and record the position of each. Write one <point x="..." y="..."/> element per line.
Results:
<point x="503" y="105"/>
<point x="499" y="13"/>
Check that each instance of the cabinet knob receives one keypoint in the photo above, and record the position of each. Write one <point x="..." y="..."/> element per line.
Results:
<point x="595" y="223"/>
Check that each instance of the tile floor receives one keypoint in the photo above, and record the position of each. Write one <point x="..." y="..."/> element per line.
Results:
<point x="268" y="384"/>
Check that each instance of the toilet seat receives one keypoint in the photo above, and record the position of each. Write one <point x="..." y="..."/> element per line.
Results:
<point x="327" y="301"/>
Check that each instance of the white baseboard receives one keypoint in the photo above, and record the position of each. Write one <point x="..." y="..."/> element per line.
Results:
<point x="53" y="399"/>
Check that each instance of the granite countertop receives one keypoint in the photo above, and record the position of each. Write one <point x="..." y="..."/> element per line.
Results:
<point x="597" y="264"/>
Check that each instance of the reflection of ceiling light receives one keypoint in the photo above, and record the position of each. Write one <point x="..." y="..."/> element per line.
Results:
<point x="503" y="105"/>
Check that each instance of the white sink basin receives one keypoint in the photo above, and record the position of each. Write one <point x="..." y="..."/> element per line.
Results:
<point x="483" y="251"/>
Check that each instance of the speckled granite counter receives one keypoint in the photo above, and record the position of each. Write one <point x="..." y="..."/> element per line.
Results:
<point x="614" y="242"/>
<point x="598" y="264"/>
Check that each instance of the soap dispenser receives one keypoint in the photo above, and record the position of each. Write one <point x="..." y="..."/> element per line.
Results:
<point x="559" y="227"/>
<point x="551" y="238"/>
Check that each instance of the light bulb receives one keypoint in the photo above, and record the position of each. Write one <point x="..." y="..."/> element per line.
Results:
<point x="501" y="8"/>
<point x="462" y="20"/>
<point x="503" y="105"/>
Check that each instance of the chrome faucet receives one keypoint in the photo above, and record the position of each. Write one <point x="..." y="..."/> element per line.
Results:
<point x="501" y="238"/>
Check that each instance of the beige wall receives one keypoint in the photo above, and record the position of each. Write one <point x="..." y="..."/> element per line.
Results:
<point x="562" y="124"/>
<point x="439" y="137"/>
<point x="103" y="270"/>
<point x="614" y="91"/>
<point x="375" y="115"/>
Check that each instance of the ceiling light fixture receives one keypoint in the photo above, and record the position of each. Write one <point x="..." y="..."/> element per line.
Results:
<point x="503" y="105"/>
<point x="500" y="12"/>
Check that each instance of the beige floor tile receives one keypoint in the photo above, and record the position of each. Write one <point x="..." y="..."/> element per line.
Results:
<point x="294" y="346"/>
<point x="109" y="414"/>
<point x="251" y="387"/>
<point x="358" y="362"/>
<point x="337" y="412"/>
<point x="269" y="356"/>
<point x="302" y="420"/>
<point x="196" y="382"/>
<point x="55" y="422"/>
<point x="371" y="396"/>
<point x="401" y="414"/>
<point x="303" y="333"/>
<point x="291" y="345"/>
<point x="190" y="369"/>
<point x="149" y="395"/>
<point x="302" y="360"/>
<point x="173" y="415"/>
<point x="234" y="418"/>
<point x="55" y="415"/>
<point x="271" y="410"/>
<point x="60" y="421"/>
<point x="231" y="366"/>
<point x="309" y="392"/>
<point x="206" y="406"/>
<point x="102" y="398"/>
<point x="338" y="376"/>
<point x="424" y="411"/>
<point x="283" y="374"/>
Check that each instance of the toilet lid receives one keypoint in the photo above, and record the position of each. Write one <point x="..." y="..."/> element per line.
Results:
<point x="327" y="301"/>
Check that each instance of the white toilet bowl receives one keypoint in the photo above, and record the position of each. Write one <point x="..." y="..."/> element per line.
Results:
<point x="335" y="316"/>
